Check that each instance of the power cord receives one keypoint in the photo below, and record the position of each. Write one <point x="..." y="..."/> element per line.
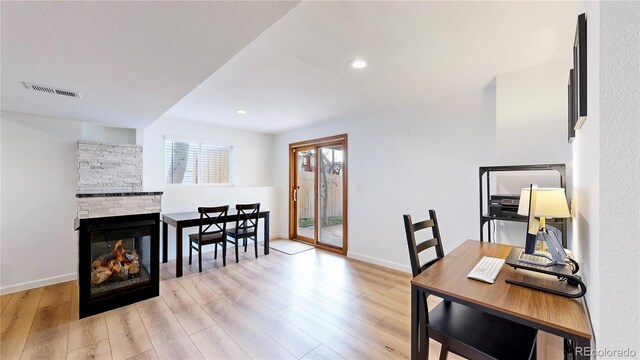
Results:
<point x="574" y="265"/>
<point x="574" y="269"/>
<point x="494" y="231"/>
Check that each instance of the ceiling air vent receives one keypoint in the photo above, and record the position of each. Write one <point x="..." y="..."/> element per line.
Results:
<point x="51" y="90"/>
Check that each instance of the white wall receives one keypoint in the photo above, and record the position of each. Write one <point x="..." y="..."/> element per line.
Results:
<point x="111" y="135"/>
<point x="39" y="176"/>
<point x="531" y="123"/>
<point x="606" y="155"/>
<point x="399" y="163"/>
<point x="1" y="219"/>
<point x="619" y="175"/>
<point x="586" y="169"/>
<point x="253" y="169"/>
<point x="531" y="114"/>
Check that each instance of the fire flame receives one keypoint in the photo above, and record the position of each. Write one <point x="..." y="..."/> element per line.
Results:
<point x="118" y="251"/>
<point x="117" y="263"/>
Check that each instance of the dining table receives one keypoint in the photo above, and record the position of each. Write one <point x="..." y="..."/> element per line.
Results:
<point x="183" y="220"/>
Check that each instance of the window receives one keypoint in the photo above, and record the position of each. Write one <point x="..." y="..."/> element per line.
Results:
<point x="188" y="162"/>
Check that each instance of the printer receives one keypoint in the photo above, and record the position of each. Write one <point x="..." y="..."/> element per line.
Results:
<point x="504" y="206"/>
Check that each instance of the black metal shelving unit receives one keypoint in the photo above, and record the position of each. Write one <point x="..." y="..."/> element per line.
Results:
<point x="485" y="218"/>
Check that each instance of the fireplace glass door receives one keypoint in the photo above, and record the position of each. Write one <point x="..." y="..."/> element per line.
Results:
<point x="120" y="259"/>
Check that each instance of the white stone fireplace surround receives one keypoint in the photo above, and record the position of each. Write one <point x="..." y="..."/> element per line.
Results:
<point x="110" y="181"/>
<point x="116" y="204"/>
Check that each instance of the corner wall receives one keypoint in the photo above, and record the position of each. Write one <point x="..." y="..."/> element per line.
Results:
<point x="39" y="177"/>
<point x="111" y="135"/>
<point x="531" y="123"/>
<point x="586" y="169"/>
<point x="531" y="115"/>
<point x="399" y="162"/>
<point x="619" y="175"/>
<point x="606" y="156"/>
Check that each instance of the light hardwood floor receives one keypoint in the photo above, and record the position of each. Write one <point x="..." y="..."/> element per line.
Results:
<point x="311" y="305"/>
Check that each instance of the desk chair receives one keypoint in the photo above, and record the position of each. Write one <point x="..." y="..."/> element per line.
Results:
<point x="246" y="226"/>
<point x="216" y="217"/>
<point x="460" y="329"/>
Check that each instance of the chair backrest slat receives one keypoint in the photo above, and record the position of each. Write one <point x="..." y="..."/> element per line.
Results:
<point x="423" y="225"/>
<point x="426" y="245"/>
<point x="247" y="219"/>
<point x="212" y="217"/>
<point x="415" y="249"/>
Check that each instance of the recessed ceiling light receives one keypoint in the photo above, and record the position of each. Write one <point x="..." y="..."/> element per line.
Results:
<point x="358" y="64"/>
<point x="241" y="112"/>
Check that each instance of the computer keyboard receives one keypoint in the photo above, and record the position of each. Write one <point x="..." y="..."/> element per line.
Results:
<point x="486" y="269"/>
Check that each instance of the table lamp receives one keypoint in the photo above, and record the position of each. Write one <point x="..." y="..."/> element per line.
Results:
<point x="546" y="203"/>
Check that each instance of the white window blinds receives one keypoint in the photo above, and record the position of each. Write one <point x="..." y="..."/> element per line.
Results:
<point x="198" y="163"/>
<point x="216" y="164"/>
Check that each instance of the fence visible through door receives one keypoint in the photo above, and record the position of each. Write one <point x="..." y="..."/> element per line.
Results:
<point x="305" y="198"/>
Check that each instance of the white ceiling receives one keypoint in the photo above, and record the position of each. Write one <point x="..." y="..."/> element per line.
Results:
<point x="297" y="72"/>
<point x="134" y="61"/>
<point x="131" y="61"/>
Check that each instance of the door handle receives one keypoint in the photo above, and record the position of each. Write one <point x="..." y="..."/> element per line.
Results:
<point x="295" y="194"/>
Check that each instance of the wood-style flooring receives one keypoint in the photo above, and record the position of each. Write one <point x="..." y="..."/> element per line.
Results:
<point x="311" y="305"/>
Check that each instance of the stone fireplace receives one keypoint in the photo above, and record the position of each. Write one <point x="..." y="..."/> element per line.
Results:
<point x="118" y="227"/>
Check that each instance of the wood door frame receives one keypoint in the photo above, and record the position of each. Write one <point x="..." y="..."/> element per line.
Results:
<point x="341" y="139"/>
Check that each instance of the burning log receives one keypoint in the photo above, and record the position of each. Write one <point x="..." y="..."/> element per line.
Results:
<point x="118" y="263"/>
<point x="100" y="275"/>
<point x="134" y="266"/>
<point x="119" y="270"/>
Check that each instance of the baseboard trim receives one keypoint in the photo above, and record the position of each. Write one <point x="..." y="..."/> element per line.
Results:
<point x="37" y="283"/>
<point x="381" y="262"/>
<point x="72" y="276"/>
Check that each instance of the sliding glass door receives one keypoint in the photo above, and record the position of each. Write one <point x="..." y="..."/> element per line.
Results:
<point x="318" y="196"/>
<point x="330" y="185"/>
<point x="304" y="194"/>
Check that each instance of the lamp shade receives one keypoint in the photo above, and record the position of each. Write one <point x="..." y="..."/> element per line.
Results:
<point x="547" y="202"/>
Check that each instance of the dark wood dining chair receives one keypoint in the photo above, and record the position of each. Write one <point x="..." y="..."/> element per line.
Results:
<point x="246" y="227"/>
<point x="460" y="329"/>
<point x="214" y="218"/>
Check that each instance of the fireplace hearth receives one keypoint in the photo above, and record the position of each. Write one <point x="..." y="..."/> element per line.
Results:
<point x="119" y="260"/>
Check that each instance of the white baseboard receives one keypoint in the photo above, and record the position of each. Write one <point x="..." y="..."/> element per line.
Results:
<point x="37" y="283"/>
<point x="68" y="277"/>
<point x="381" y="262"/>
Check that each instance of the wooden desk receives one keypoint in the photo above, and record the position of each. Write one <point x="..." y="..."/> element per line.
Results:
<point x="447" y="279"/>
<point x="184" y="220"/>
